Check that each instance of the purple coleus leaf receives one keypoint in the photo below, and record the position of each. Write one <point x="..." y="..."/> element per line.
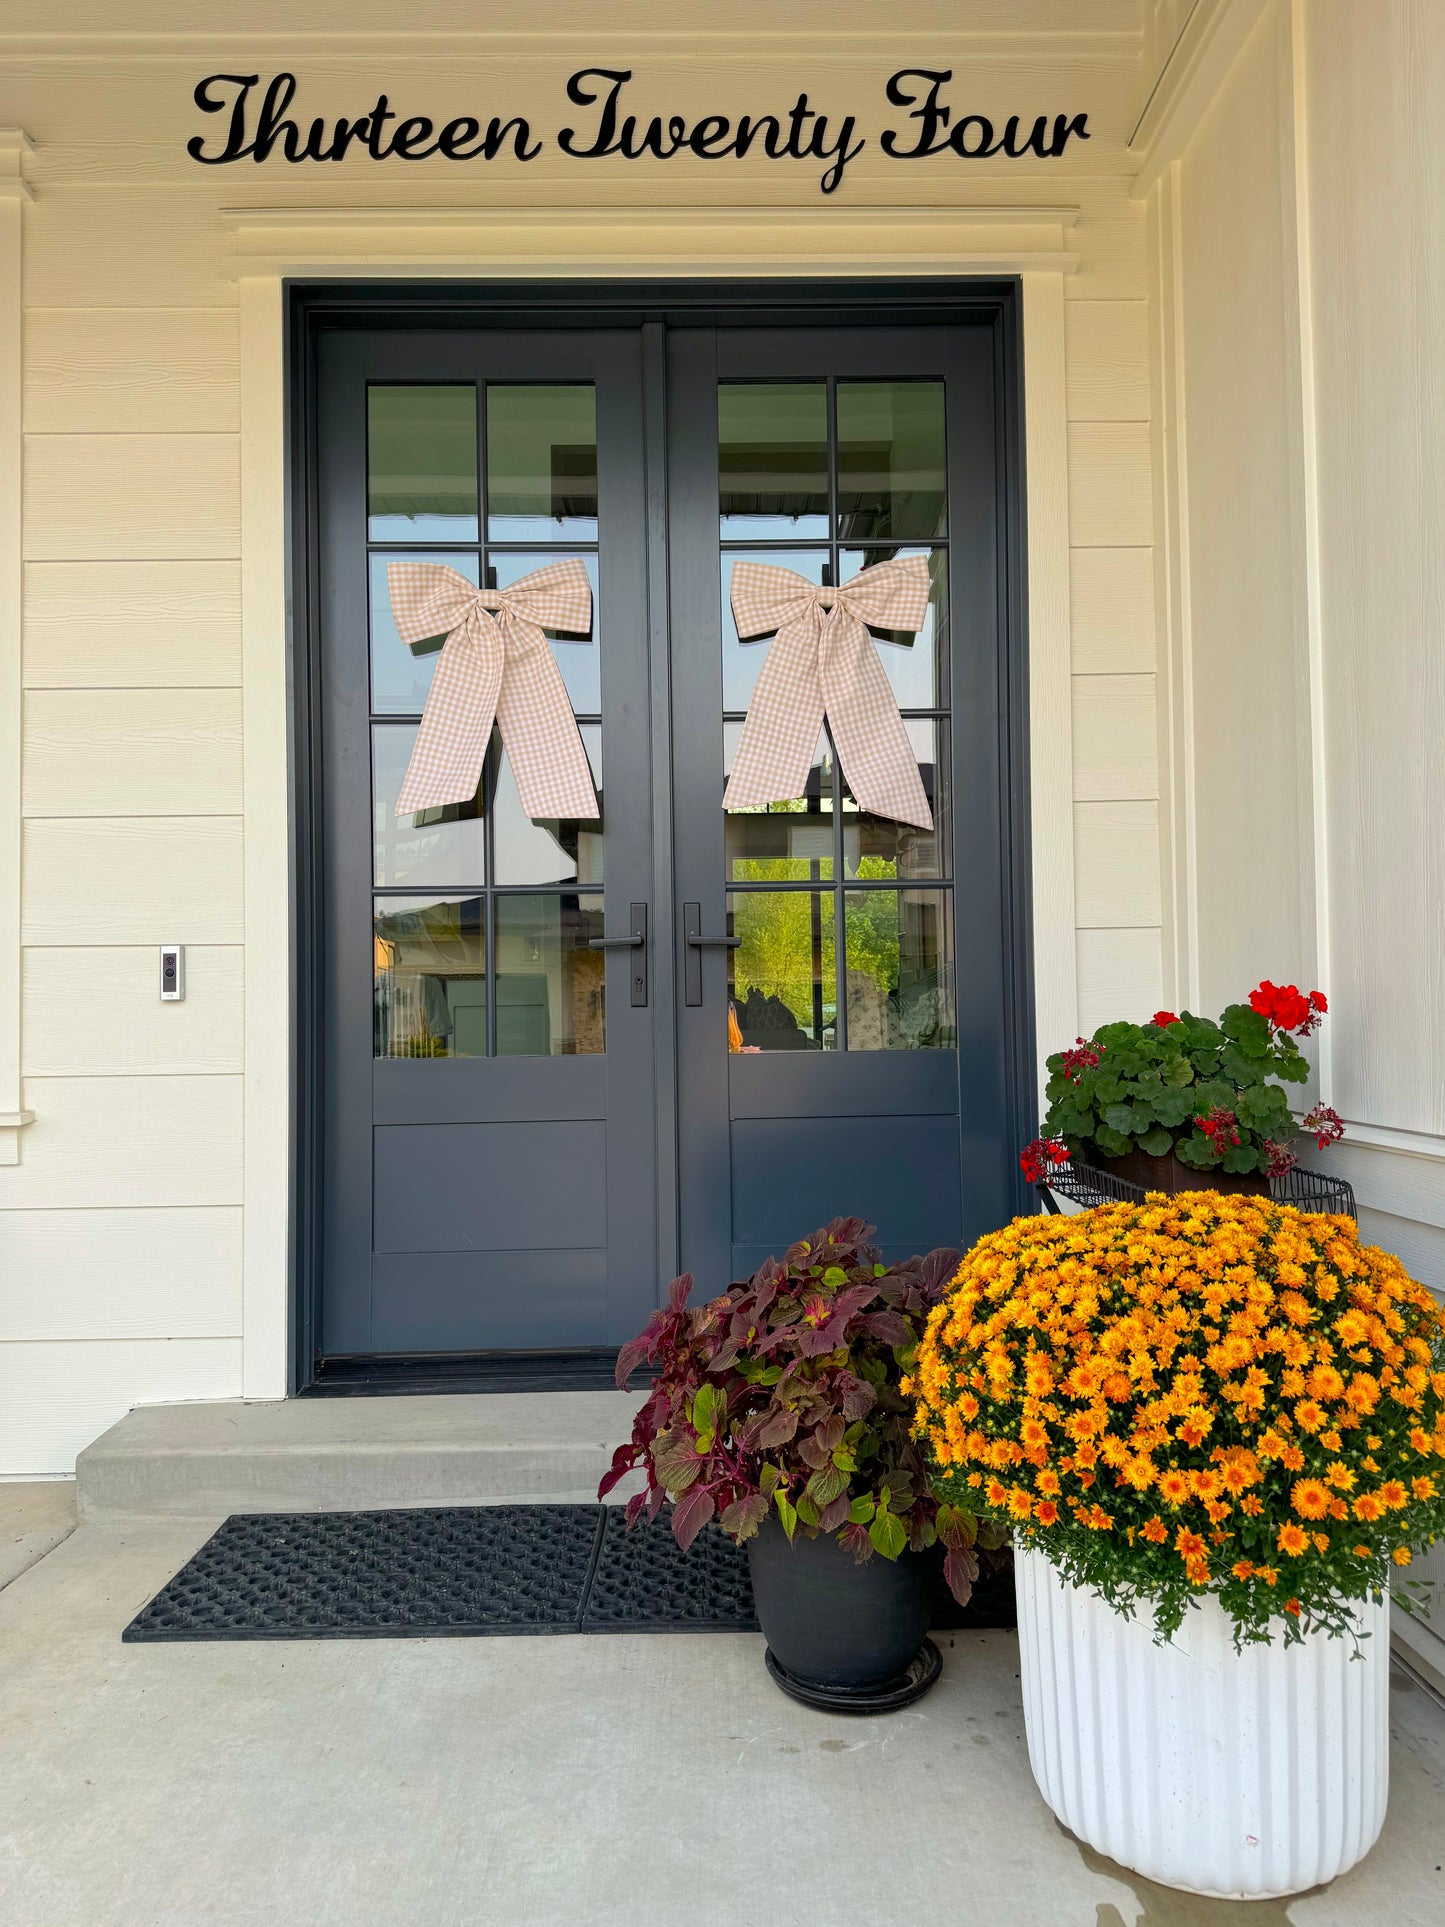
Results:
<point x="834" y="1515"/>
<point x="631" y="1356"/>
<point x="857" y="1398"/>
<point x="634" y="1507"/>
<point x="776" y="1428"/>
<point x="675" y="1457"/>
<point x="623" y="1460"/>
<point x="742" y="1518"/>
<point x="891" y="1326"/>
<point x="677" y="1292"/>
<point x="960" y="1569"/>
<point x="691" y="1514"/>
<point x="855" y="1538"/>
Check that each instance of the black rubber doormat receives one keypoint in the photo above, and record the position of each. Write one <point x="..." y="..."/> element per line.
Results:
<point x="447" y="1572"/>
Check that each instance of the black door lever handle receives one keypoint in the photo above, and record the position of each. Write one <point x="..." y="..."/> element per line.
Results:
<point x="636" y="939"/>
<point x="695" y="943"/>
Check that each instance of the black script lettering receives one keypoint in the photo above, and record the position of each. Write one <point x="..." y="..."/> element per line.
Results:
<point x="817" y="145"/>
<point x="1064" y="127"/>
<point x="236" y="148"/>
<point x="348" y="131"/>
<point x="272" y="126"/>
<point x="454" y="135"/>
<point x="611" y="138"/>
<point x="933" y="115"/>
<point x="712" y="139"/>
<point x="604" y="141"/>
<point x="519" y="129"/>
<point x="958" y="140"/>
<point x="1035" y="144"/>
<point x="410" y="140"/>
<point x="378" y="117"/>
<point x="765" y="125"/>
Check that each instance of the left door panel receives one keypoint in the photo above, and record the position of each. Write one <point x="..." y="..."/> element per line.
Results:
<point x="488" y="1109"/>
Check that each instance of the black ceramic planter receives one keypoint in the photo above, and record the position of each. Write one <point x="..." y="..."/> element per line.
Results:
<point x="835" y="1627"/>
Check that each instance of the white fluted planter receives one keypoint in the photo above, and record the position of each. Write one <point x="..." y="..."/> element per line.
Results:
<point x="1239" y="1775"/>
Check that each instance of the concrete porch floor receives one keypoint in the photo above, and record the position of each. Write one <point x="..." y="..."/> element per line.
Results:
<point x="636" y="1781"/>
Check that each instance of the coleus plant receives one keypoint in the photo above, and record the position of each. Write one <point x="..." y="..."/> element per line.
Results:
<point x="783" y="1398"/>
<point x="1202" y="1089"/>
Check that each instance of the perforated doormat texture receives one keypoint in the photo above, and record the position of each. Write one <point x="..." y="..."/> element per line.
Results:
<point x="452" y="1571"/>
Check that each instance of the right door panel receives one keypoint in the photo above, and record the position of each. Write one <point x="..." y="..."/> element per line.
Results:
<point x="844" y="1048"/>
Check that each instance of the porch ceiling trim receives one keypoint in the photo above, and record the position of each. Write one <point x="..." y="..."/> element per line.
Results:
<point x="629" y="241"/>
<point x="1208" y="45"/>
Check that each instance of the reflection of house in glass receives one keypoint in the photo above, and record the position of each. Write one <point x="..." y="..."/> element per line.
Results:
<point x="430" y="984"/>
<point x="432" y="980"/>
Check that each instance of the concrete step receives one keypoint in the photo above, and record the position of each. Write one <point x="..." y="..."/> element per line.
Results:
<point x="317" y="1455"/>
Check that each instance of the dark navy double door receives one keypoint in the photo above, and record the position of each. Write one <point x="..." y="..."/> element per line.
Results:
<point x="562" y="1060"/>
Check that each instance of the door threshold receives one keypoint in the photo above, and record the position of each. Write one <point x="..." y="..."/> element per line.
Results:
<point x="381" y="1375"/>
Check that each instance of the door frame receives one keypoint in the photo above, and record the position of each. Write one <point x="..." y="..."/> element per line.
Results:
<point x="314" y="306"/>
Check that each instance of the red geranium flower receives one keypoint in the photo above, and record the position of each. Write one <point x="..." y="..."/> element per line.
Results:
<point x="1221" y="1127"/>
<point x="1163" y="1018"/>
<point x="1287" y="1008"/>
<point x="1036" y="1158"/>
<point x="1082" y="1057"/>
<point x="1279" y="1158"/>
<point x="1326" y="1123"/>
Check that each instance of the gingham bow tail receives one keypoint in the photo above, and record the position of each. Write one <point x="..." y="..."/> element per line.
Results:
<point x="822" y="661"/>
<point x="495" y="664"/>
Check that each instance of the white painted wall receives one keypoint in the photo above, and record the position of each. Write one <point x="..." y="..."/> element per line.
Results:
<point x="139" y="1255"/>
<point x="1300" y="301"/>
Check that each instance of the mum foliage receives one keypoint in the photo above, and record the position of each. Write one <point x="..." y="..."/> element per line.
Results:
<point x="1205" y="1394"/>
<point x="784" y="1397"/>
<point x="1204" y="1090"/>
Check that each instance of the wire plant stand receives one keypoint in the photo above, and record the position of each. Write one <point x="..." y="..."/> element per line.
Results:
<point x="1084" y="1185"/>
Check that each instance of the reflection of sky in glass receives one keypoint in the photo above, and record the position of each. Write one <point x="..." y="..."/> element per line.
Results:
<point x="773" y="458"/>
<point x="579" y="658"/>
<point x="401" y="677"/>
<point x="542" y="463"/>
<point x="890" y="458"/>
<point x="422" y="463"/>
<point x="911" y="670"/>
<point x="548" y="852"/>
<point x="742" y="661"/>
<point x="433" y="847"/>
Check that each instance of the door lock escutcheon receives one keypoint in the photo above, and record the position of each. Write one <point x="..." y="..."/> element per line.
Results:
<point x="695" y="943"/>
<point x="636" y="939"/>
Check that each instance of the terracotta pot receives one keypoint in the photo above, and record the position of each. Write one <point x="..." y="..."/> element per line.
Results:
<point x="1169" y="1174"/>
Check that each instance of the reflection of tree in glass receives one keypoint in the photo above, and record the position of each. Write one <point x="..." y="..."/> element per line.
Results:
<point x="872" y="929"/>
<point x="776" y="956"/>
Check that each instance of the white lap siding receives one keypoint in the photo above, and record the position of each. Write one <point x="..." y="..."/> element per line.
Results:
<point x="121" y="1226"/>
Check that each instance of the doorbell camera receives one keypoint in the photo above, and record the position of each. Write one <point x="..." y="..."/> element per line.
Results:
<point x="173" y="973"/>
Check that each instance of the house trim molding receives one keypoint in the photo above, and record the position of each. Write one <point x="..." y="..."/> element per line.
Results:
<point x="15" y="146"/>
<point x="621" y="243"/>
<point x="1187" y="83"/>
<point x="271" y="247"/>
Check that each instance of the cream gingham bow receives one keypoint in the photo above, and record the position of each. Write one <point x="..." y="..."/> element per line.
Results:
<point x="495" y="663"/>
<point x="822" y="659"/>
